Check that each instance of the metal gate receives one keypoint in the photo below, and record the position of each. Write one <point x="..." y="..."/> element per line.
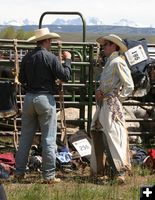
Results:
<point x="79" y="91"/>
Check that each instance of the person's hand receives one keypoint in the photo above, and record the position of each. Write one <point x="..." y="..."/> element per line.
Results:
<point x="99" y="95"/>
<point x="66" y="55"/>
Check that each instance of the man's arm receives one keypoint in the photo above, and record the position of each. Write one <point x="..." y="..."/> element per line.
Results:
<point x="62" y="71"/>
<point x="125" y="76"/>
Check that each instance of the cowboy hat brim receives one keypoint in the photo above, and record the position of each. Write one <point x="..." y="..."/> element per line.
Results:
<point x="44" y="37"/>
<point x="115" y="39"/>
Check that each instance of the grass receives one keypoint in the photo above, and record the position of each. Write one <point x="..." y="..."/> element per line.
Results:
<point x="80" y="187"/>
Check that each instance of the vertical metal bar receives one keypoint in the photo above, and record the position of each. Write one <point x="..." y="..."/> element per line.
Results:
<point x="73" y="78"/>
<point x="90" y="88"/>
<point x="82" y="96"/>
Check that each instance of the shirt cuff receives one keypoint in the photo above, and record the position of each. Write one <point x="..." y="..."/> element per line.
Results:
<point x="67" y="62"/>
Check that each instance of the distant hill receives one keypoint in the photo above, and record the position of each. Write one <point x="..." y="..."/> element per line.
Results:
<point x="91" y="29"/>
<point x="94" y="25"/>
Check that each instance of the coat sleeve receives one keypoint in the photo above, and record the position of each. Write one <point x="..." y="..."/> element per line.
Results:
<point x="22" y="76"/>
<point x="61" y="71"/>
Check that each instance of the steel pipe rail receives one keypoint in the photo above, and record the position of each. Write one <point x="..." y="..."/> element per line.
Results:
<point x="65" y="13"/>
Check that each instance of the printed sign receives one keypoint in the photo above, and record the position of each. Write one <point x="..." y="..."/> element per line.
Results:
<point x="83" y="147"/>
<point x="136" y="55"/>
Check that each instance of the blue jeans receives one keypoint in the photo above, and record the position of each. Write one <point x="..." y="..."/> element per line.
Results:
<point x="38" y="110"/>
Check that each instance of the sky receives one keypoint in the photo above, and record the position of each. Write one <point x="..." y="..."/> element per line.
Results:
<point x="109" y="11"/>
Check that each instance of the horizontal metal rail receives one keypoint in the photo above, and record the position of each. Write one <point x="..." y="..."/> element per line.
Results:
<point x="73" y="63"/>
<point x="127" y="120"/>
<point x="143" y="133"/>
<point x="74" y="44"/>
<point x="138" y="103"/>
<point x="141" y="120"/>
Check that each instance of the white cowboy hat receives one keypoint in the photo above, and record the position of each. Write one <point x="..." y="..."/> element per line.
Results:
<point x="115" y="39"/>
<point x="42" y="34"/>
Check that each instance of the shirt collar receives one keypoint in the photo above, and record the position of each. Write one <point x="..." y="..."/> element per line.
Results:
<point x="40" y="48"/>
<point x="114" y="55"/>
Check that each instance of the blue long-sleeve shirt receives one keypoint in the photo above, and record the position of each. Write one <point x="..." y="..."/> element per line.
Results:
<point x="40" y="68"/>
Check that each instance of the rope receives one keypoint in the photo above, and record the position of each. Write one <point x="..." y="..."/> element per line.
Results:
<point x="20" y="96"/>
<point x="62" y="116"/>
<point x="16" y="62"/>
<point x="61" y="102"/>
<point x="15" y="135"/>
<point x="17" y="72"/>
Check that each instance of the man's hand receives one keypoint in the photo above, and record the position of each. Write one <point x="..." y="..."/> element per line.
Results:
<point x="99" y="95"/>
<point x="66" y="55"/>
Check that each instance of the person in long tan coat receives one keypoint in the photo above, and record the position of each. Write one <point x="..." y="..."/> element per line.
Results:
<point x="108" y="131"/>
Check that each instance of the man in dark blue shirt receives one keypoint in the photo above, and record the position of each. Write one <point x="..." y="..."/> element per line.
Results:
<point x="38" y="73"/>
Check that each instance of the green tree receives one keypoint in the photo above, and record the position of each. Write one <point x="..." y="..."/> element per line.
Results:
<point x="13" y="33"/>
<point x="20" y="34"/>
<point x="8" y="33"/>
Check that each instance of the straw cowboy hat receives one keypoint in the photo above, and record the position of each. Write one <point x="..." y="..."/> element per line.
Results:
<point x="115" y="39"/>
<point x="42" y="34"/>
